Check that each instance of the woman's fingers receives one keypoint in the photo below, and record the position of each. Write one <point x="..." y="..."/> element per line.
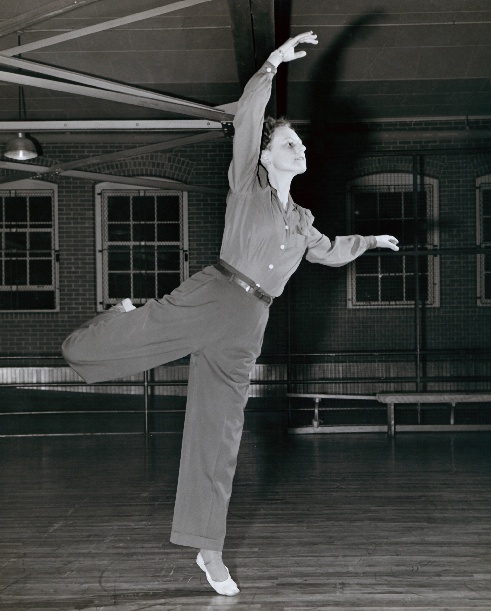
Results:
<point x="287" y="49"/>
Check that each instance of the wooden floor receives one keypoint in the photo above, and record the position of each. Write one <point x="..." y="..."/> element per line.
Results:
<point x="316" y="522"/>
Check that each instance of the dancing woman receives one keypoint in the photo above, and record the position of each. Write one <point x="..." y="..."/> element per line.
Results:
<point x="218" y="316"/>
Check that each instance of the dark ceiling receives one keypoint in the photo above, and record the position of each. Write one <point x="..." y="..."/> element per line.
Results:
<point x="394" y="58"/>
<point x="78" y="69"/>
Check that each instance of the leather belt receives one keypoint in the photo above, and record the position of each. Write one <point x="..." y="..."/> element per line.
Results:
<point x="249" y="287"/>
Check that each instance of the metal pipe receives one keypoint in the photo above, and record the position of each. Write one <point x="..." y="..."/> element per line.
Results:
<point x="417" y="317"/>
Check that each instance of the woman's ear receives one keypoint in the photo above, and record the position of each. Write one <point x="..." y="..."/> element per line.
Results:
<point x="265" y="158"/>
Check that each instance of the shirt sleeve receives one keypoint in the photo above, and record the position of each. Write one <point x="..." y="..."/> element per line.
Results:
<point x="248" y="126"/>
<point x="343" y="250"/>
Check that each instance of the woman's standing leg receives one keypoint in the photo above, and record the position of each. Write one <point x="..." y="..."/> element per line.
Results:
<point x="217" y="394"/>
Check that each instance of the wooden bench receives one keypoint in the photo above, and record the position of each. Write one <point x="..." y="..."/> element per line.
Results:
<point x="452" y="398"/>
<point x="391" y="400"/>
<point x="316" y="422"/>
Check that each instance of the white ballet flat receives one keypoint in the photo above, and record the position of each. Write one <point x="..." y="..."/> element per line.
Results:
<point x="226" y="588"/>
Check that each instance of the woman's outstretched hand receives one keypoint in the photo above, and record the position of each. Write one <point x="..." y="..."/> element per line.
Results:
<point x="387" y="241"/>
<point x="286" y="52"/>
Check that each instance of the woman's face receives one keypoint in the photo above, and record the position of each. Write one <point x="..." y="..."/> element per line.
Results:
<point x="286" y="152"/>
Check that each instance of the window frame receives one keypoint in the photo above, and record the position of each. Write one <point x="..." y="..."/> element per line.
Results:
<point x="18" y="187"/>
<point x="102" y="301"/>
<point x="483" y="183"/>
<point x="397" y="179"/>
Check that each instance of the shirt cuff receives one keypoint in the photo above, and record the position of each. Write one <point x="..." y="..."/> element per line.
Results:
<point x="371" y="241"/>
<point x="269" y="68"/>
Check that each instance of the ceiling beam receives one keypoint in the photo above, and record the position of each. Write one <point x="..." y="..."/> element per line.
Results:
<point x="243" y="36"/>
<point x="151" y="182"/>
<point x="175" y="106"/>
<point x="51" y="9"/>
<point x="253" y="31"/>
<point x="263" y="24"/>
<point x="124" y="125"/>
<point x="101" y="27"/>
<point x="83" y="79"/>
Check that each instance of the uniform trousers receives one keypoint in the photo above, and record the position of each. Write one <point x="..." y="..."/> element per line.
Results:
<point x="222" y="327"/>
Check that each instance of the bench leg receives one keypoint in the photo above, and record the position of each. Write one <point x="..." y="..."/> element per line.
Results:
<point x="316" y="421"/>
<point x="391" y="421"/>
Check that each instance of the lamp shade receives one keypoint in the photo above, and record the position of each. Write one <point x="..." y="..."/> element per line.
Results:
<point x="20" y="148"/>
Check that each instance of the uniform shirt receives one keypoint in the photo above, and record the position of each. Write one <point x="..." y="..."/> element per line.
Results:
<point x="261" y="239"/>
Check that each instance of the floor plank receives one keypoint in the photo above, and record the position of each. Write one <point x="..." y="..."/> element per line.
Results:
<point x="339" y="522"/>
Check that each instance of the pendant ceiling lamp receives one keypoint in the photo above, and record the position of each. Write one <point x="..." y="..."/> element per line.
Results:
<point x="21" y="148"/>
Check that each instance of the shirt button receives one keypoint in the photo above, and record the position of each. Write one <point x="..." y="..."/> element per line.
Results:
<point x="268" y="69"/>
<point x="271" y="266"/>
<point x="282" y="247"/>
<point x="286" y="227"/>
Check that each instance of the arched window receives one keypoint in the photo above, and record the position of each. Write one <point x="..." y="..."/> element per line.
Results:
<point x="29" y="246"/>
<point x="141" y="241"/>
<point x="385" y="203"/>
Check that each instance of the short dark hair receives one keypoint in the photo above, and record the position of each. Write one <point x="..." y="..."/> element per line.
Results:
<point x="269" y="125"/>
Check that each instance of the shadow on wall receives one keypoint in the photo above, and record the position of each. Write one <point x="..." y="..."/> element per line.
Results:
<point x="333" y="149"/>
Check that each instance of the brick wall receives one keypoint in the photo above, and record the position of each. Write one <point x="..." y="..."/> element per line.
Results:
<point x="320" y="319"/>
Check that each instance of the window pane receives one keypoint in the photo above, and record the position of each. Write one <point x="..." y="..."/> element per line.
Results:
<point x="143" y="208"/>
<point x="16" y="210"/>
<point x="40" y="272"/>
<point x="390" y="205"/>
<point x="486" y="229"/>
<point x="365" y="205"/>
<point x="422" y="205"/>
<point x="144" y="258"/>
<point x="15" y="272"/>
<point x="392" y="288"/>
<point x="487" y="286"/>
<point x="391" y="265"/>
<point x="423" y="288"/>
<point x="168" y="258"/>
<point x="408" y="233"/>
<point x="16" y="240"/>
<point x="487" y="263"/>
<point x="168" y="208"/>
<point x="118" y="258"/>
<point x="143" y="286"/>
<point x="366" y="227"/>
<point x="422" y="265"/>
<point x="119" y="233"/>
<point x="367" y="265"/>
<point x="367" y="289"/>
<point x="40" y="241"/>
<point x="119" y="286"/>
<point x="392" y="227"/>
<point x="486" y="202"/>
<point x="118" y="208"/>
<point x="167" y="283"/>
<point x="409" y="204"/>
<point x="144" y="233"/>
<point x="168" y="233"/>
<point x="40" y="211"/>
